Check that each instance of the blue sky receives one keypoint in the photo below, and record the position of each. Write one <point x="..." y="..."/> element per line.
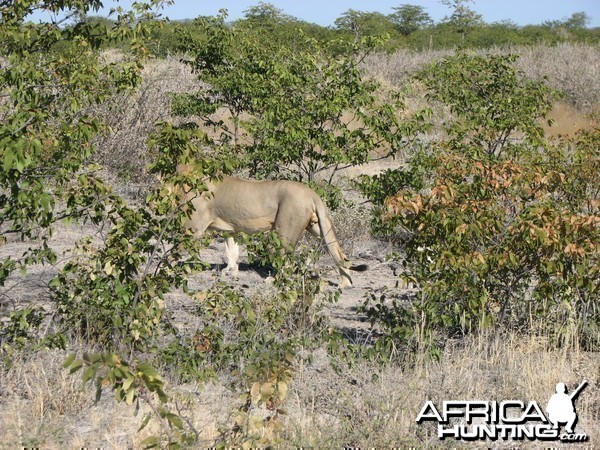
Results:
<point x="324" y="12"/>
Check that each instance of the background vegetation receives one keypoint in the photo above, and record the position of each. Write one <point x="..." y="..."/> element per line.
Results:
<point x="407" y="27"/>
<point x="490" y="223"/>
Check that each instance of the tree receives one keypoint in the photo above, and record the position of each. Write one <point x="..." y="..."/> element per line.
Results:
<point x="361" y="23"/>
<point x="266" y="12"/>
<point x="577" y="20"/>
<point x="475" y="88"/>
<point x="52" y="77"/>
<point x="462" y="18"/>
<point x="410" y="18"/>
<point x="303" y="112"/>
<point x="280" y="28"/>
<point x="111" y="290"/>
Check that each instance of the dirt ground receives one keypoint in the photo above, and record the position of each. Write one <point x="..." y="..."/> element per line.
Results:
<point x="32" y="288"/>
<point x="359" y="245"/>
<point x="379" y="275"/>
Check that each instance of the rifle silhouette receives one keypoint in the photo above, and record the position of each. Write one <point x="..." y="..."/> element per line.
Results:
<point x="579" y="388"/>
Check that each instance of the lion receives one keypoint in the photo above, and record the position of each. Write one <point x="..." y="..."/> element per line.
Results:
<point x="250" y="206"/>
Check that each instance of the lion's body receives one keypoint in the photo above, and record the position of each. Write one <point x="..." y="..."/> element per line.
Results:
<point x="251" y="206"/>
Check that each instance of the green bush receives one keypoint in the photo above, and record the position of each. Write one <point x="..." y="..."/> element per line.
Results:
<point x="498" y="228"/>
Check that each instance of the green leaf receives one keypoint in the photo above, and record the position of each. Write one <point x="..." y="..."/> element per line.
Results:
<point x="162" y="396"/>
<point x="69" y="360"/>
<point x="8" y="160"/>
<point x="145" y="421"/>
<point x="76" y="365"/>
<point x="150" y="442"/>
<point x="128" y="382"/>
<point x="175" y="421"/>
<point x="130" y="396"/>
<point x="89" y="374"/>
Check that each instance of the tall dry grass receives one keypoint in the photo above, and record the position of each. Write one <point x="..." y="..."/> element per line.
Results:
<point x="365" y="406"/>
<point x="123" y="151"/>
<point x="42" y="406"/>
<point x="370" y="407"/>
<point x="571" y="68"/>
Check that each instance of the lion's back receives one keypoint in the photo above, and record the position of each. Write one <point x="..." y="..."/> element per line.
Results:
<point x="261" y="192"/>
<point x="253" y="205"/>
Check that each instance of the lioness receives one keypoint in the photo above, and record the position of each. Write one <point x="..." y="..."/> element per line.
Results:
<point x="251" y="206"/>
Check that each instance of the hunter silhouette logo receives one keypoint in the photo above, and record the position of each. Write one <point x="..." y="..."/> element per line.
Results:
<point x="509" y="419"/>
<point x="561" y="409"/>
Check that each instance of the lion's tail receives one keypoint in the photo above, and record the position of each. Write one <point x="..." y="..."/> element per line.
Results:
<point x="333" y="246"/>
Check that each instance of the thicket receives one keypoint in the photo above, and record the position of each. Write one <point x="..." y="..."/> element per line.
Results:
<point x="110" y="294"/>
<point x="495" y="226"/>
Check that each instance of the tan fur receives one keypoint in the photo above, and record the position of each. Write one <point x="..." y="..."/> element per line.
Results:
<point x="251" y="206"/>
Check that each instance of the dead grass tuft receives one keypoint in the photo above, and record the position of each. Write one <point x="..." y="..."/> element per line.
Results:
<point x="42" y="406"/>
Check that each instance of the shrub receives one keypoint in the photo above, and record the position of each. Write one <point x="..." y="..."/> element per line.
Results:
<point x="496" y="230"/>
<point x="53" y="79"/>
<point x="47" y="131"/>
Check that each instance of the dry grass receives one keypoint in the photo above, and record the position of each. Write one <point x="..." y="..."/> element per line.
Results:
<point x="132" y="118"/>
<point x="370" y="407"/>
<point x="570" y="68"/>
<point x="363" y="406"/>
<point x="41" y="405"/>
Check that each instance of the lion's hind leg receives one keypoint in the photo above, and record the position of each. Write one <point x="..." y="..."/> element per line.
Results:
<point x="313" y="226"/>
<point x="290" y="225"/>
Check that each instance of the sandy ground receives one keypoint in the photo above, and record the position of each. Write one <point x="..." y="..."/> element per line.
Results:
<point x="379" y="275"/>
<point x="31" y="288"/>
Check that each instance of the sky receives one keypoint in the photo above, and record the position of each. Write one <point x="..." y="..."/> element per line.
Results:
<point x="324" y="12"/>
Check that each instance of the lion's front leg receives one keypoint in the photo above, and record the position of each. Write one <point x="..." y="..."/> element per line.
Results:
<point x="232" y="252"/>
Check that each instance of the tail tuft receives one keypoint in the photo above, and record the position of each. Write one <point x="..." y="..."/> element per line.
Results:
<point x="359" y="268"/>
